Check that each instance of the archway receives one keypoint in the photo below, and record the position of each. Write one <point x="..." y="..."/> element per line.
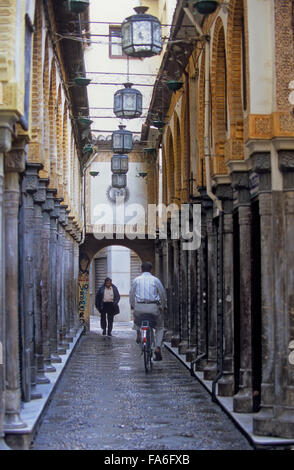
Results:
<point x="122" y="265"/>
<point x="144" y="249"/>
<point x="219" y="98"/>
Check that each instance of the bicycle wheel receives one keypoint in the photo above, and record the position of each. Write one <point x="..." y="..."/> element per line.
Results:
<point x="147" y="353"/>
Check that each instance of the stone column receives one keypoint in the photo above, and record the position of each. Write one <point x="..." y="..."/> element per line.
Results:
<point x="192" y="304"/>
<point x="47" y="208"/>
<point x="243" y="401"/>
<point x="210" y="371"/>
<point x="76" y="284"/>
<point x="39" y="199"/>
<point x="202" y="280"/>
<point x="226" y="383"/>
<point x="261" y="165"/>
<point x="276" y="417"/>
<point x="29" y="188"/>
<point x="3" y="445"/>
<point x="175" y="340"/>
<point x="53" y="343"/>
<point x="14" y="164"/>
<point x="59" y="277"/>
<point x="170" y="291"/>
<point x="183" y="346"/>
<point x="70" y="230"/>
<point x="63" y="260"/>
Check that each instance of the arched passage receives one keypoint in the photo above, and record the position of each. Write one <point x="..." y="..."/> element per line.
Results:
<point x="122" y="265"/>
<point x="144" y="249"/>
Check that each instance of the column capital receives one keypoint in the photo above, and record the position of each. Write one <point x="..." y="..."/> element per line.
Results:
<point x="225" y="193"/>
<point x="31" y="180"/>
<point x="7" y="130"/>
<point x="286" y="166"/>
<point x="40" y="194"/>
<point x="14" y="161"/>
<point x="240" y="183"/>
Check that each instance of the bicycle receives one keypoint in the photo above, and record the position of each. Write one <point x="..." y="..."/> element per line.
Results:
<point x="147" y="340"/>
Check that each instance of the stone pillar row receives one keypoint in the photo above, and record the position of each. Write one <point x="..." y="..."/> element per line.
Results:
<point x="39" y="291"/>
<point x="249" y="284"/>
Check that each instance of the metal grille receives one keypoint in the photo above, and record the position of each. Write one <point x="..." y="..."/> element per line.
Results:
<point x="100" y="271"/>
<point x="135" y="266"/>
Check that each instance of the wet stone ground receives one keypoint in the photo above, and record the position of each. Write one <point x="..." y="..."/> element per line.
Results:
<point x="105" y="400"/>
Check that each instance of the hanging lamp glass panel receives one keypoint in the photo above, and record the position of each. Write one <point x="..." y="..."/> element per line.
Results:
<point x="205" y="7"/>
<point x="119" y="164"/>
<point x="122" y="140"/>
<point x="128" y="102"/>
<point x="119" y="181"/>
<point x="78" y="6"/>
<point x="141" y="34"/>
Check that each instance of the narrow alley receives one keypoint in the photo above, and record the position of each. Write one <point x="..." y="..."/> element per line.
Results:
<point x="105" y="400"/>
<point x="146" y="167"/>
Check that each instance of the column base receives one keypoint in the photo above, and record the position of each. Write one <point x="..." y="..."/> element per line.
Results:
<point x="226" y="386"/>
<point x="210" y="371"/>
<point x="55" y="358"/>
<point x="168" y="336"/>
<point x="61" y="351"/>
<point x="34" y="394"/>
<point x="42" y="379"/>
<point x="190" y="355"/>
<point x="266" y="424"/>
<point x="183" y="347"/>
<point x="175" y="341"/>
<point x="243" y="402"/>
<point x="48" y="367"/>
<point x="12" y="420"/>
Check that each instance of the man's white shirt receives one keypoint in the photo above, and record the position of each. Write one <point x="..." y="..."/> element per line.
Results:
<point x="147" y="288"/>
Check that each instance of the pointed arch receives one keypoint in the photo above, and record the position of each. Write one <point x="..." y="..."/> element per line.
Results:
<point x="237" y="87"/>
<point x="45" y="173"/>
<point x="52" y="128"/>
<point x="65" y="153"/>
<point x="35" y="147"/>
<point x="200" y="167"/>
<point x="219" y="98"/>
<point x="164" y="177"/>
<point x="184" y="151"/>
<point x="177" y="158"/>
<point x="170" y="158"/>
<point x="59" y="142"/>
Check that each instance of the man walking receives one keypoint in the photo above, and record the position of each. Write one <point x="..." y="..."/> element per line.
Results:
<point x="106" y="302"/>
<point x="148" y="296"/>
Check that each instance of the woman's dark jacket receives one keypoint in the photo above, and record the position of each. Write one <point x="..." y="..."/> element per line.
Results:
<point x="99" y="299"/>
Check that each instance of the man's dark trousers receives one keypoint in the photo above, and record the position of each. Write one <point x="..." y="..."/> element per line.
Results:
<point x="108" y="312"/>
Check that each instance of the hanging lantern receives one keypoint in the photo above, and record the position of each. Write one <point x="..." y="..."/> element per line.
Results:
<point x="128" y="102"/>
<point x="119" y="164"/>
<point x="122" y="140"/>
<point x="119" y="181"/>
<point x="84" y="121"/>
<point x="205" y="7"/>
<point x="78" y="6"/>
<point x="174" y="85"/>
<point x="158" y="123"/>
<point x="82" y="81"/>
<point x="141" y="34"/>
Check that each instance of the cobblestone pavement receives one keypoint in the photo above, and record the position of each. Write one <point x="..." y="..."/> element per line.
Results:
<point x="105" y="400"/>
